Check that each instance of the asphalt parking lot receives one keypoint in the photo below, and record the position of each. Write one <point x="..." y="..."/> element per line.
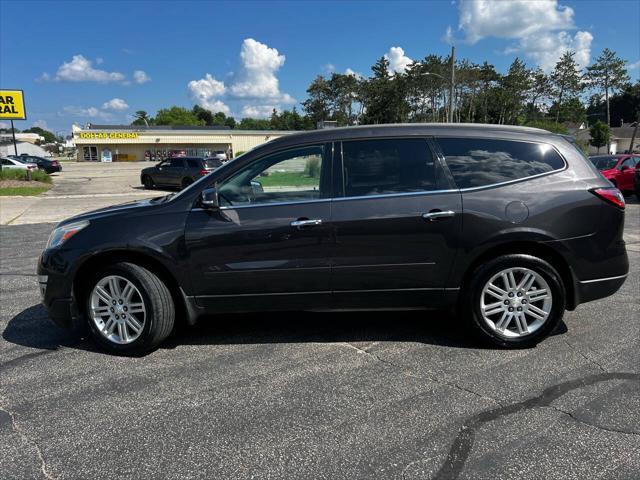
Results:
<point x="401" y="395"/>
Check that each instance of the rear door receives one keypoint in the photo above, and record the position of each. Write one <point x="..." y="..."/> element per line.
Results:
<point x="397" y="222"/>
<point x="627" y="173"/>
<point x="176" y="171"/>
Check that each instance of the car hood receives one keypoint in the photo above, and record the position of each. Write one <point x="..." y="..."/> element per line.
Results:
<point x="114" y="210"/>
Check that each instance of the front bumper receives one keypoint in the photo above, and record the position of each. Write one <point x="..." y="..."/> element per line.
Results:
<point x="56" y="290"/>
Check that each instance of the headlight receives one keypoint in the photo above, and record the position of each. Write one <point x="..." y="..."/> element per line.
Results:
<point x="61" y="234"/>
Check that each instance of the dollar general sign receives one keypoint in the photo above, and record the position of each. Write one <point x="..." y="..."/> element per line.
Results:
<point x="12" y="105"/>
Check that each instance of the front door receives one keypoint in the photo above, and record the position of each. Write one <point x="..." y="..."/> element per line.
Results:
<point x="269" y="246"/>
<point x="397" y="224"/>
<point x="626" y="177"/>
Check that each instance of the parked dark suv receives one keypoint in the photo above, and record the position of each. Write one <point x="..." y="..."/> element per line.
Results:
<point x="511" y="226"/>
<point x="177" y="172"/>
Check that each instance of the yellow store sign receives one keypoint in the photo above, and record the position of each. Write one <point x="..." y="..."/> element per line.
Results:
<point x="12" y="105"/>
<point x="109" y="135"/>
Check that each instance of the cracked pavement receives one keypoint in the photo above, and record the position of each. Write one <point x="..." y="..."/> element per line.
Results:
<point x="398" y="395"/>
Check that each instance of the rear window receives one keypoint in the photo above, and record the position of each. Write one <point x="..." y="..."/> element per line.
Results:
<point x="193" y="163"/>
<point x="604" y="162"/>
<point x="374" y="167"/>
<point x="478" y="162"/>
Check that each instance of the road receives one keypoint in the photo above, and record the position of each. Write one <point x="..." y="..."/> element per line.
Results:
<point x="402" y="395"/>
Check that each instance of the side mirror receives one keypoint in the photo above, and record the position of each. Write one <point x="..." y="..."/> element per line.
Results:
<point x="256" y="187"/>
<point x="209" y="199"/>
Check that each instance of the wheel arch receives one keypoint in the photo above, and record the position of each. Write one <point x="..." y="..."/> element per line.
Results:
<point x="151" y="263"/>
<point x="536" y="249"/>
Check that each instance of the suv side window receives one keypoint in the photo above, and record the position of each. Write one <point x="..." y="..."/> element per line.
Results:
<point x="295" y="175"/>
<point x="193" y="163"/>
<point x="177" y="163"/>
<point x="387" y="166"/>
<point x="477" y="162"/>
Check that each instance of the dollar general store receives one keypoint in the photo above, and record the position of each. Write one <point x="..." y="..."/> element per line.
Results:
<point x="120" y="143"/>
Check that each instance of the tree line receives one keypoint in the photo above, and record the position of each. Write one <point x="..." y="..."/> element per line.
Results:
<point x="520" y="96"/>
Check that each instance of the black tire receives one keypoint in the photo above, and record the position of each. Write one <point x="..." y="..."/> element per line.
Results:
<point x="147" y="181"/>
<point x="186" y="182"/>
<point x="160" y="308"/>
<point x="471" y="299"/>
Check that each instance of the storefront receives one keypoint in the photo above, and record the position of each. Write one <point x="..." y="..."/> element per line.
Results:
<point x="120" y="143"/>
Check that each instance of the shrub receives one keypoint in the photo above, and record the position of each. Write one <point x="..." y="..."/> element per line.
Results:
<point x="19" y="174"/>
<point x="312" y="168"/>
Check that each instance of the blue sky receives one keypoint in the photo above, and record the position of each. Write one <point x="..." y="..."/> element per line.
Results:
<point x="76" y="61"/>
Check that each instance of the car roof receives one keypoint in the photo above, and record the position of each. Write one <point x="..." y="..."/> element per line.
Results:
<point x="408" y="129"/>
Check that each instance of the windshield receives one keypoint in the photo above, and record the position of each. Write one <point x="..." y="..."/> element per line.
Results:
<point x="605" y="162"/>
<point x="212" y="163"/>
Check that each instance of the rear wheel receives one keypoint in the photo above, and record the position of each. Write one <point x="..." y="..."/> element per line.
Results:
<point x="129" y="309"/>
<point x="148" y="182"/>
<point x="515" y="300"/>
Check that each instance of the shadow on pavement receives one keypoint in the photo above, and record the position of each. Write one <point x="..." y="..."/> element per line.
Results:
<point x="32" y="328"/>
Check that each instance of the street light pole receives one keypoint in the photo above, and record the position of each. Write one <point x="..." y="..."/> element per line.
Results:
<point x="453" y="82"/>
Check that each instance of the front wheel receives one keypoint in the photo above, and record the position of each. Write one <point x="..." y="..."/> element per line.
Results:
<point x="129" y="309"/>
<point x="515" y="300"/>
<point x="148" y="182"/>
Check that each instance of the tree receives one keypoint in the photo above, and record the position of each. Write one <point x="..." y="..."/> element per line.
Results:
<point x="142" y="118"/>
<point x="202" y="114"/>
<point x="48" y="136"/>
<point x="177" y="116"/>
<point x="254" y="124"/>
<point x="607" y="74"/>
<point x="600" y="134"/>
<point x="565" y="80"/>
<point x="514" y="87"/>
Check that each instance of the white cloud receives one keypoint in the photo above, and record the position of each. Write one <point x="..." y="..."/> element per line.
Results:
<point x="258" y="111"/>
<point x="79" y="69"/>
<point x="634" y="65"/>
<point x="99" y="61"/>
<point x="4" y="125"/>
<point x="89" y="112"/>
<point x="205" y="91"/>
<point x="398" y="61"/>
<point x="115" y="104"/>
<point x="540" y="28"/>
<point x="512" y="19"/>
<point x="353" y="73"/>
<point x="547" y="48"/>
<point x="257" y="78"/>
<point x="140" y="77"/>
<point x="42" y="124"/>
<point x="329" y="68"/>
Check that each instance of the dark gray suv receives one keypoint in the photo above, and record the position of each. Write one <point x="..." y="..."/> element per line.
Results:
<point x="177" y="172"/>
<point x="509" y="226"/>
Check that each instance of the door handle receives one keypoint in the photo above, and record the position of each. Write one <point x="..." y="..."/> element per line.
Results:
<point x="302" y="223"/>
<point x="437" y="215"/>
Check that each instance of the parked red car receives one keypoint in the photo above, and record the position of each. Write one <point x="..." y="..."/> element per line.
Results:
<point x="618" y="169"/>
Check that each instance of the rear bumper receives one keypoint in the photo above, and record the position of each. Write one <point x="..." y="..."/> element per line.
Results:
<point x="589" y="290"/>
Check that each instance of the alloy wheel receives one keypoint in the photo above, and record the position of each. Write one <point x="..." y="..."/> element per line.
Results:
<point x="516" y="302"/>
<point x="117" y="309"/>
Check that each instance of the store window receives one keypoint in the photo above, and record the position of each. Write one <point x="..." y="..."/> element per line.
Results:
<point x="90" y="154"/>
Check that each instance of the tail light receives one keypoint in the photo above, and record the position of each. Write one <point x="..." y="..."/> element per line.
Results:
<point x="610" y="195"/>
<point x="204" y="172"/>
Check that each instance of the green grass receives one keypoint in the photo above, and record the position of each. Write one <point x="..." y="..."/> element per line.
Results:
<point x="288" y="179"/>
<point x="16" y="174"/>
<point x="22" y="191"/>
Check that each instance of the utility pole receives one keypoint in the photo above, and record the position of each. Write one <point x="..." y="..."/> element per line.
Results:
<point x="453" y="82"/>
<point x="13" y="133"/>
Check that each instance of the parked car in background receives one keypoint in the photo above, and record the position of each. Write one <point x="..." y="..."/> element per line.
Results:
<point x="17" y="163"/>
<point x="637" y="182"/>
<point x="618" y="169"/>
<point x="46" y="164"/>
<point x="511" y="226"/>
<point x="220" y="155"/>
<point x="177" y="172"/>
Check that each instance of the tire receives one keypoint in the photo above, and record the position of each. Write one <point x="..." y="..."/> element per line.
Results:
<point x="147" y="181"/>
<point x="156" y="319"/>
<point x="530" y="300"/>
<point x="185" y="183"/>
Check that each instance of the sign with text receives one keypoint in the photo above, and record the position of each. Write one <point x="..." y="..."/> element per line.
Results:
<point x="12" y="105"/>
<point x="109" y="135"/>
